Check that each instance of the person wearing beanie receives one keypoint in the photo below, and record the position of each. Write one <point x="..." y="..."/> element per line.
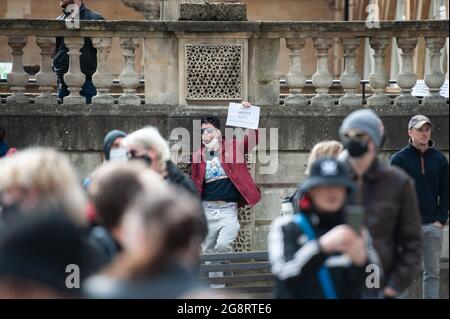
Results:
<point x="388" y="196"/>
<point x="313" y="253"/>
<point x="111" y="146"/>
<point x="112" y="151"/>
<point x="429" y="169"/>
<point x="43" y="255"/>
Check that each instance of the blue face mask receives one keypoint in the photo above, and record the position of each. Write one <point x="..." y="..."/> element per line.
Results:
<point x="118" y="155"/>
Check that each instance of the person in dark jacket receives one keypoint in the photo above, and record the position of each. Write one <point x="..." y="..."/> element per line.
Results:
<point x="315" y="240"/>
<point x="3" y="146"/>
<point x="149" y="146"/>
<point x="391" y="209"/>
<point x="44" y="255"/>
<point x="88" y="58"/>
<point x="161" y="237"/>
<point x="112" y="151"/>
<point x="429" y="169"/>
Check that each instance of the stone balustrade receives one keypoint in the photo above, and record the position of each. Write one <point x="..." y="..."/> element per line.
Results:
<point x="211" y="63"/>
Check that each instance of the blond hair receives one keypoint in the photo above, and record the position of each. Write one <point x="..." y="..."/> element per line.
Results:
<point x="150" y="138"/>
<point x="48" y="173"/>
<point x="322" y="149"/>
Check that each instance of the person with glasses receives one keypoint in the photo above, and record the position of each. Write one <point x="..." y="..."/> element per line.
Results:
<point x="220" y="173"/>
<point x="391" y="209"/>
<point x="148" y="146"/>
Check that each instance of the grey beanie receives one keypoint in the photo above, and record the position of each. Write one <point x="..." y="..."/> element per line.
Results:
<point x="366" y="121"/>
<point x="109" y="140"/>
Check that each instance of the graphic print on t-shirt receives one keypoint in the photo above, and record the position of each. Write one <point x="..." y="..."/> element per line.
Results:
<point x="214" y="170"/>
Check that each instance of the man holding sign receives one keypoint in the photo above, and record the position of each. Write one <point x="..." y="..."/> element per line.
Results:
<point x="220" y="173"/>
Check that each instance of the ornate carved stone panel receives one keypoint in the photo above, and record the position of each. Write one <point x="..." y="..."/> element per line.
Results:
<point x="213" y="71"/>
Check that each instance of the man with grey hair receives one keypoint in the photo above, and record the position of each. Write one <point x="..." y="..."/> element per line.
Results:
<point x="388" y="197"/>
<point x="429" y="169"/>
<point x="149" y="146"/>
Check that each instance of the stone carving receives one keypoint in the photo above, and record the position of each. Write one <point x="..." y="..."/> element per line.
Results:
<point x="243" y="241"/>
<point x="213" y="72"/>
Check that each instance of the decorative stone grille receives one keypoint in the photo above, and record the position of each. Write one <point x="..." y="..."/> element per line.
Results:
<point x="213" y="71"/>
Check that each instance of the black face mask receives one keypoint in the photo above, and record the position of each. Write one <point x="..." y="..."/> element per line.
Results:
<point x="356" y="148"/>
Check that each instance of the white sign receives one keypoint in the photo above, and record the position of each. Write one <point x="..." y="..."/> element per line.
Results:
<point x="245" y="117"/>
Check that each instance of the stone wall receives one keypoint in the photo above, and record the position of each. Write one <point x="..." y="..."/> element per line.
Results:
<point x="79" y="131"/>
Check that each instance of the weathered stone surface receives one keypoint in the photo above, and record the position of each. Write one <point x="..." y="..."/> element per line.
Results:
<point x="290" y="169"/>
<point x="85" y="162"/>
<point x="161" y="71"/>
<point x="213" y="11"/>
<point x="264" y="74"/>
<point x="42" y="27"/>
<point x="298" y="129"/>
<point x="269" y="206"/>
<point x="149" y="8"/>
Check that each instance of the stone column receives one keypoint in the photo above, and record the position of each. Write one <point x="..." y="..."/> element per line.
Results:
<point x="161" y="70"/>
<point x="296" y="79"/>
<point x="406" y="79"/>
<point x="264" y="72"/>
<point x="350" y="79"/>
<point x="379" y="79"/>
<point x="74" y="79"/>
<point x="322" y="79"/>
<point x="17" y="78"/>
<point x="435" y="78"/>
<point x="170" y="10"/>
<point x="46" y="78"/>
<point x="102" y="78"/>
<point x="129" y="79"/>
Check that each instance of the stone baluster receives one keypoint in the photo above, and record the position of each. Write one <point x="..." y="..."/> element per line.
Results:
<point x="350" y="78"/>
<point x="74" y="79"/>
<point x="379" y="79"/>
<point x="322" y="79"/>
<point x="17" y="78"/>
<point x="435" y="78"/>
<point x="102" y="78"/>
<point x="129" y="79"/>
<point x="46" y="78"/>
<point x="296" y="79"/>
<point x="406" y="79"/>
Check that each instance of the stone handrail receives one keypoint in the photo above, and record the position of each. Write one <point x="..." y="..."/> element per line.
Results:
<point x="257" y="72"/>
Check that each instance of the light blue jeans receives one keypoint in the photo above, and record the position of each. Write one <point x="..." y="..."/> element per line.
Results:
<point x="432" y="245"/>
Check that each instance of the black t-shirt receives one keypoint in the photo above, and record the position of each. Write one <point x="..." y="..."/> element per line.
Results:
<point x="217" y="186"/>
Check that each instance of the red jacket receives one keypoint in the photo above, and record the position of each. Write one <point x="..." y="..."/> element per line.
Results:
<point x="230" y="152"/>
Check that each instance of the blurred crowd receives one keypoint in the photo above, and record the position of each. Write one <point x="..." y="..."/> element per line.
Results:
<point x="137" y="226"/>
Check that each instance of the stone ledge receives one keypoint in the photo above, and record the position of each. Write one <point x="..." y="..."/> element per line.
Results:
<point x="213" y="11"/>
<point x="41" y="27"/>
<point x="175" y="111"/>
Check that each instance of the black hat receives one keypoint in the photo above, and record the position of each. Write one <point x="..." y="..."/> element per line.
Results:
<point x="327" y="172"/>
<point x="40" y="247"/>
